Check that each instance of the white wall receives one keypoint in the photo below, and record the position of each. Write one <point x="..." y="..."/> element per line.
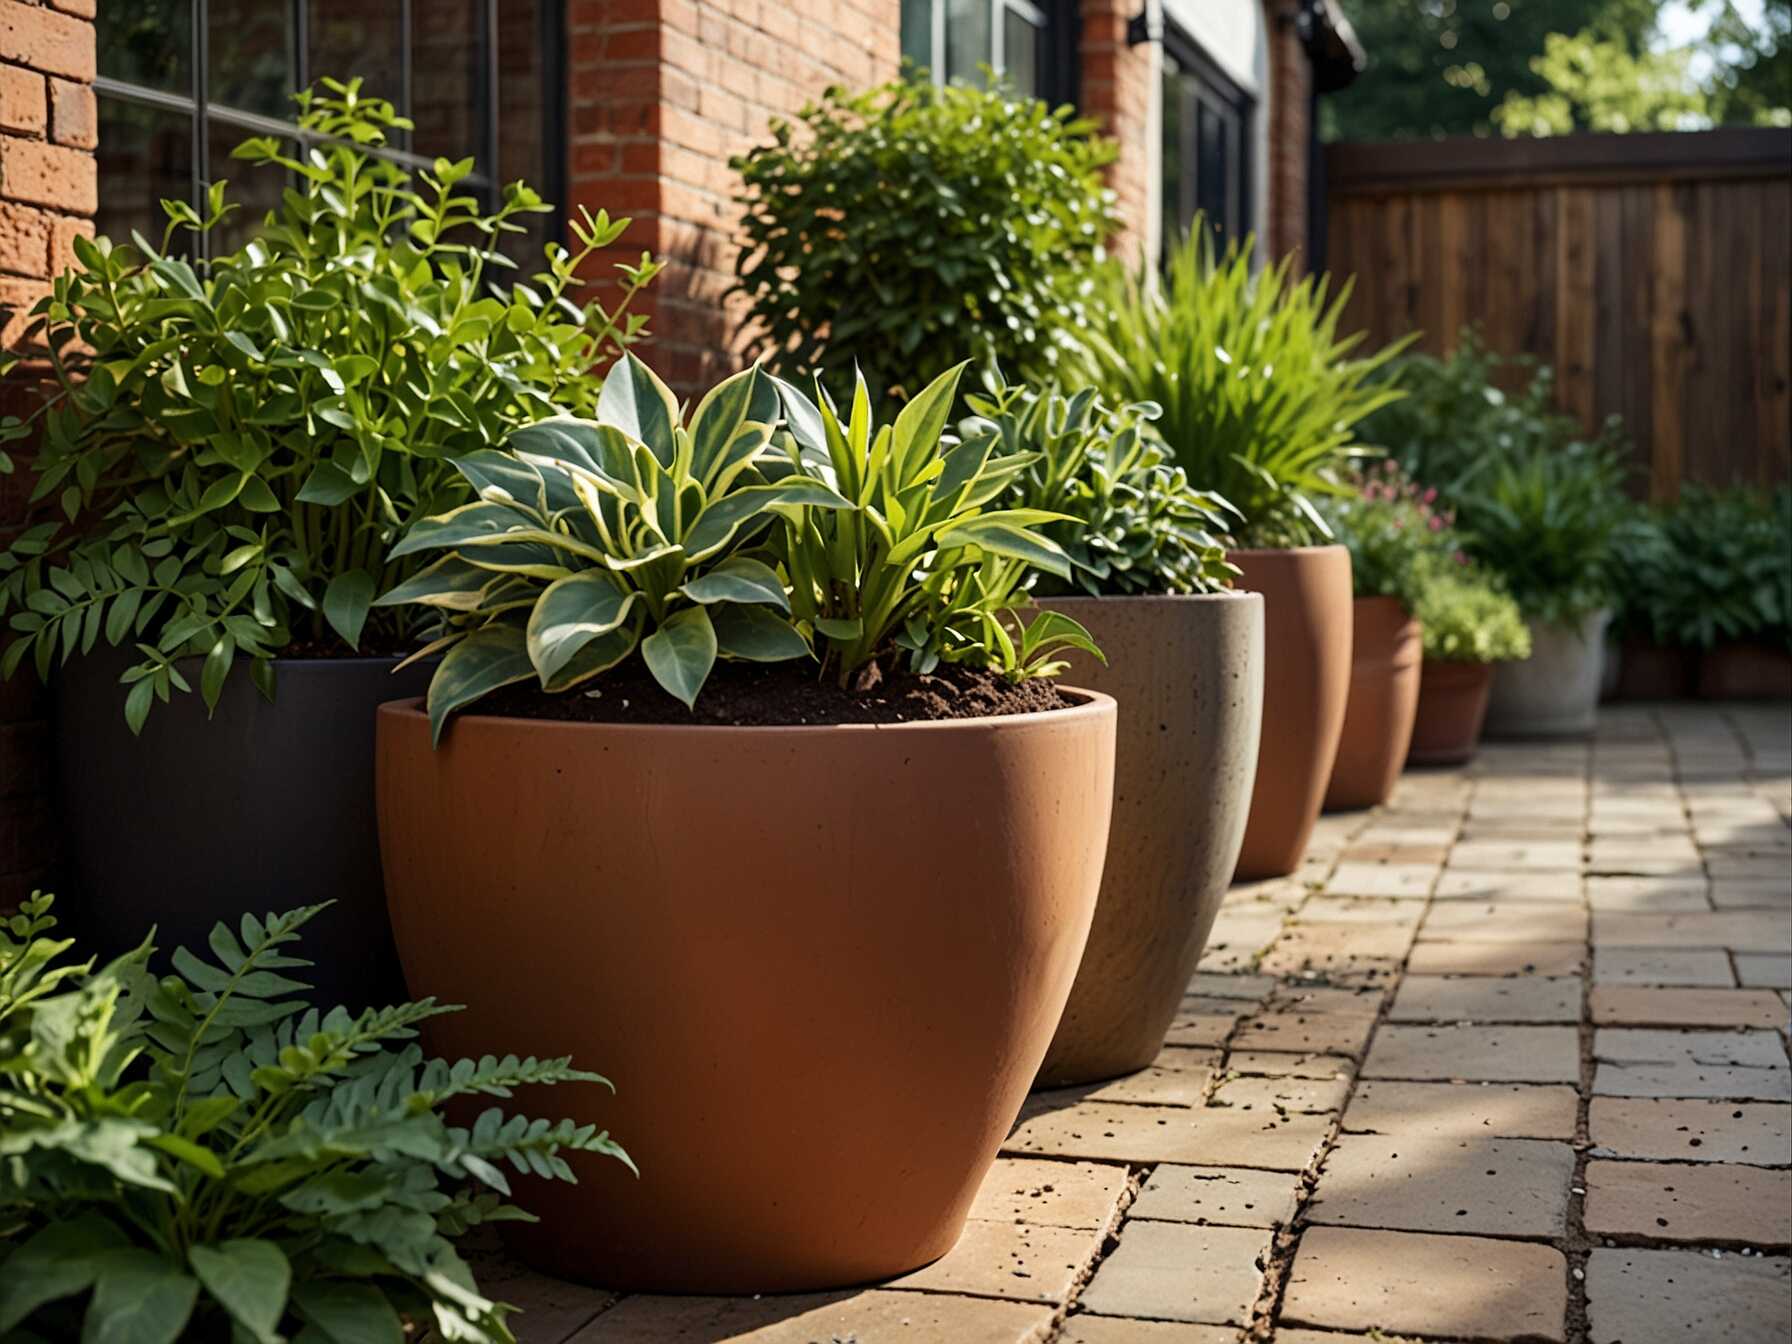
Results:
<point x="1235" y="36"/>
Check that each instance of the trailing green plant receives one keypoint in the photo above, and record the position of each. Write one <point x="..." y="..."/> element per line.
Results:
<point x="1400" y="538"/>
<point x="203" y="1156"/>
<point x="1133" y="523"/>
<point x="1548" y="520"/>
<point x="235" y="443"/>
<point x="1456" y="416"/>
<point x="911" y="227"/>
<point x="1260" y="396"/>
<point x="1465" y="617"/>
<point x="1726" y="558"/>
<point x="764" y="529"/>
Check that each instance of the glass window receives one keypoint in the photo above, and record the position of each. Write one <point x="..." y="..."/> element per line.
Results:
<point x="1206" y="146"/>
<point x="469" y="73"/>
<point x="955" y="39"/>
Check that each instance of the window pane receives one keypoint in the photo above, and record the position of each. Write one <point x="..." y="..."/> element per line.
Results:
<point x="250" y="58"/>
<point x="148" y="42"/>
<point x="917" y="32"/>
<point x="1175" y="151"/>
<point x="145" y="154"/>
<point x="967" y="38"/>
<point x="446" y="86"/>
<point x="1020" y="52"/>
<point x="359" y="37"/>
<point x="1211" y="170"/>
<point x="254" y="188"/>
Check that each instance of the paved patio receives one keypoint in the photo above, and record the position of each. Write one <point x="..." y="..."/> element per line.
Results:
<point x="1507" y="1061"/>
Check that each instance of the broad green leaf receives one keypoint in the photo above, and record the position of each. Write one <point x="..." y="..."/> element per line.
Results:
<point x="57" y="1262"/>
<point x="345" y="604"/>
<point x="991" y="533"/>
<point x="250" y="1279"/>
<point x="348" y="1313"/>
<point x="718" y="523"/>
<point x="138" y="1298"/>
<point x="215" y="669"/>
<point x="756" y="634"/>
<point x="569" y="614"/>
<point x="195" y="1156"/>
<point x="739" y="578"/>
<point x="920" y="423"/>
<point x="490" y="657"/>
<point x="450" y="583"/>
<point x="635" y="401"/>
<point x="328" y="484"/>
<point x="681" y="652"/>
<point x="471" y="523"/>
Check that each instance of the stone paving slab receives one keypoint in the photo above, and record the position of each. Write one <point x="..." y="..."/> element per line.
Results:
<point x="1347" y="1278"/>
<point x="1215" y="1136"/>
<point x="1181" y="1272"/>
<point x="1709" y="968"/>
<point x="1515" y="959"/>
<point x="1495" y="1187"/>
<point x="1463" y="1110"/>
<point x="1274" y="1064"/>
<point x="1306" y="1033"/>
<point x="1178" y="1077"/>
<point x="1544" y="888"/>
<point x="1230" y="1197"/>
<point x="1080" y="1195"/>
<point x="1769" y="970"/>
<point x="1503" y="922"/>
<point x="1692" y="1130"/>
<point x="1309" y="1096"/>
<point x="1437" y="998"/>
<point x="1674" y="1297"/>
<point x="1476" y="1054"/>
<point x="1010" y="1260"/>
<point x="1714" y="1203"/>
<point x="1629" y="1005"/>
<point x="1108" y="1330"/>
<point x="924" y="1318"/>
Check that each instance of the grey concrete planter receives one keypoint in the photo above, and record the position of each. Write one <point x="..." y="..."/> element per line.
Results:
<point x="1554" y="692"/>
<point x="261" y="808"/>
<point x="1188" y="675"/>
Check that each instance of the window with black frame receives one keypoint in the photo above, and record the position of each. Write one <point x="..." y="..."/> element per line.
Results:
<point x="1025" y="40"/>
<point x="183" y="82"/>
<point x="1207" y="146"/>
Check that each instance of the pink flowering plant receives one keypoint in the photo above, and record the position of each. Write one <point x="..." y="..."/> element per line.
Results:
<point x="1400" y="536"/>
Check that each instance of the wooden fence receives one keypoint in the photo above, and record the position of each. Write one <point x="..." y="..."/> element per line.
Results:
<point x="1653" y="271"/>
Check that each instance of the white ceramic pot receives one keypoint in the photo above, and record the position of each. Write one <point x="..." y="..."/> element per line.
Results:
<point x="1554" y="692"/>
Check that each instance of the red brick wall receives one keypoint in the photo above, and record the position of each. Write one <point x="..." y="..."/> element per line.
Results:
<point x="1290" y="115"/>
<point x="662" y="93"/>
<point x="47" y="195"/>
<point x="1115" y="89"/>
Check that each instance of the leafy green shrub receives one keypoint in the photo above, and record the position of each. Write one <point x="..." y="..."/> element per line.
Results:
<point x="912" y="227"/>
<point x="1133" y="523"/>
<point x="1398" y="537"/>
<point x="250" y="435"/>
<point x="1465" y="617"/>
<point x="1455" y="419"/>
<point x="1548" y="519"/>
<point x="1724" y="568"/>
<point x="1259" y="394"/>
<point x="766" y="529"/>
<point x="201" y="1157"/>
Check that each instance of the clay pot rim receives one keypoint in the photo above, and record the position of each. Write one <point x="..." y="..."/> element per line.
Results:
<point x="1287" y="550"/>
<point x="1091" y="705"/>
<point x="1146" y="599"/>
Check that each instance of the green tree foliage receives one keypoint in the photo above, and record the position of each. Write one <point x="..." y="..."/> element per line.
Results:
<point x="1441" y="67"/>
<point x="1599" y="84"/>
<point x="1753" y="77"/>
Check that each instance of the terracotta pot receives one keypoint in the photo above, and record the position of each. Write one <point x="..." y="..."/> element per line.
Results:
<point x="1554" y="692"/>
<point x="1385" y="656"/>
<point x="1651" y="671"/>
<point x="1306" y="682"/>
<point x="1745" y="672"/>
<point x="820" y="964"/>
<point x="1452" y="708"/>
<point x="1187" y="673"/>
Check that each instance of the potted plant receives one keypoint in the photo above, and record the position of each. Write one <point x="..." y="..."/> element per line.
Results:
<point x="1648" y="654"/>
<point x="750" y="780"/>
<point x="1731" y="553"/>
<point x="1399" y="541"/>
<point x="233" y="447"/>
<point x="1547" y="519"/>
<point x="1467" y="624"/>
<point x="1259" y="398"/>
<point x="203" y="1157"/>
<point x="1183" y="658"/>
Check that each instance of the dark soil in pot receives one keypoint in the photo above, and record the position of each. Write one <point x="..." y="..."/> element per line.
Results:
<point x="750" y="695"/>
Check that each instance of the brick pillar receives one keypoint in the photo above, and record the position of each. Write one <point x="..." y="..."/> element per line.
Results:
<point x="662" y="93"/>
<point x="1290" y="121"/>
<point x="1119" y="89"/>
<point x="48" y="190"/>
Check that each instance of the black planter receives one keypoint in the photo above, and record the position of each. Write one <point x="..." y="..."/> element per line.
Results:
<point x="261" y="808"/>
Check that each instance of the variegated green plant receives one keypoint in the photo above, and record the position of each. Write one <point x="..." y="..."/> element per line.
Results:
<point x="591" y="539"/>
<point x="917" y="567"/>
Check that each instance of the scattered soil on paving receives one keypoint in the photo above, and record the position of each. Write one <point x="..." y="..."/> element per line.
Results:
<point x="779" y="694"/>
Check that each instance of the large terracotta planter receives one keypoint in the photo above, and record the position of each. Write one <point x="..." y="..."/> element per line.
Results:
<point x="1554" y="692"/>
<point x="258" y="807"/>
<point x="1738" y="671"/>
<point x="1385" y="656"/>
<point x="820" y="964"/>
<point x="1306" y="682"/>
<point x="1452" y="708"/>
<point x="1651" y="671"/>
<point x="1187" y="673"/>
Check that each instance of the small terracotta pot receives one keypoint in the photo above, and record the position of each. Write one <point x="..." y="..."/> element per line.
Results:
<point x="1187" y="673"/>
<point x="1385" y="656"/>
<point x="1554" y="692"/>
<point x="821" y="966"/>
<point x="1740" y="671"/>
<point x="1452" y="708"/>
<point x="1306" y="682"/>
<point x="1651" y="671"/>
